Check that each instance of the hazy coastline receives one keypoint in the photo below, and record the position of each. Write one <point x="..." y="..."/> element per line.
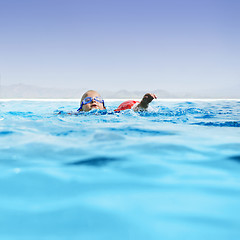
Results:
<point x="22" y="91"/>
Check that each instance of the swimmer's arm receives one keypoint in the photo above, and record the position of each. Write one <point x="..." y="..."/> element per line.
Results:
<point x="143" y="105"/>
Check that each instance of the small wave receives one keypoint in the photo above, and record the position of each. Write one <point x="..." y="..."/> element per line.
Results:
<point x="229" y="146"/>
<point x="142" y="131"/>
<point x="219" y="124"/>
<point x="103" y="137"/>
<point x="3" y="133"/>
<point x="95" y="161"/>
<point x="235" y="158"/>
<point x="16" y="113"/>
<point x="206" y="116"/>
<point x="92" y="112"/>
<point x="64" y="133"/>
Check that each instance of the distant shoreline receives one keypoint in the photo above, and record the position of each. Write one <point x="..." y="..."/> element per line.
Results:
<point x="25" y="92"/>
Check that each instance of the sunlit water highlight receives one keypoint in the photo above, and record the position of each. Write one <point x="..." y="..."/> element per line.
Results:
<point x="171" y="173"/>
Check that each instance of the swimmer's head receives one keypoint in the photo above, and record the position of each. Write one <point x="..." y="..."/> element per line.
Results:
<point x="91" y="100"/>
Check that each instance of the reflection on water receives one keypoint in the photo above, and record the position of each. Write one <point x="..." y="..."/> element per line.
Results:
<point x="171" y="173"/>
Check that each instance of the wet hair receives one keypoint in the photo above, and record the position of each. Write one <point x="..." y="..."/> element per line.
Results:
<point x="85" y="95"/>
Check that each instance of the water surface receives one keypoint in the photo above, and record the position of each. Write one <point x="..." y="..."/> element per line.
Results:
<point x="170" y="173"/>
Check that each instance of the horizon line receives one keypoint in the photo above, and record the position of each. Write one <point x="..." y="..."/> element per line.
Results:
<point x="120" y="99"/>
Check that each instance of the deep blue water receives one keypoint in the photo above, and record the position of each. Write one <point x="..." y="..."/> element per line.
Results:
<point x="171" y="173"/>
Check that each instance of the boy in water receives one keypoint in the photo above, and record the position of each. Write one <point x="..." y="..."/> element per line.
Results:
<point x="92" y="100"/>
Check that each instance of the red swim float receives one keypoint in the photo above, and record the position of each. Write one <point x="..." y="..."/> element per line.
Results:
<point x="126" y="105"/>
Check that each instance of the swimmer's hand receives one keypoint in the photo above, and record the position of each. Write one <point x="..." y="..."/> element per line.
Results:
<point x="143" y="105"/>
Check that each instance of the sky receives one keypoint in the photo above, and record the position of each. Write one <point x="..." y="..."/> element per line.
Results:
<point x="174" y="45"/>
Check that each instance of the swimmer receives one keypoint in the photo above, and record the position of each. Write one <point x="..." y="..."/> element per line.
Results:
<point x="92" y="100"/>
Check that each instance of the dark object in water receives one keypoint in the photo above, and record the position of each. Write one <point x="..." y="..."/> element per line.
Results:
<point x="95" y="161"/>
<point x="235" y="158"/>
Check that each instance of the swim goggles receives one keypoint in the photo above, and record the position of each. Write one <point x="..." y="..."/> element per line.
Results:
<point x="90" y="99"/>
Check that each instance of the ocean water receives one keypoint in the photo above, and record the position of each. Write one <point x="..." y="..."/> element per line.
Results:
<point x="170" y="173"/>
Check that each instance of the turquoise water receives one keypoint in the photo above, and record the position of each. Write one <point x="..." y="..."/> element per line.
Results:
<point x="172" y="173"/>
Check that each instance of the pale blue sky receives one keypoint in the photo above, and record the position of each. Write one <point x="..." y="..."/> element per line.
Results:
<point x="175" y="45"/>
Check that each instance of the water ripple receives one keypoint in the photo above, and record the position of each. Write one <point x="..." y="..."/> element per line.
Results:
<point x="219" y="124"/>
<point x="95" y="161"/>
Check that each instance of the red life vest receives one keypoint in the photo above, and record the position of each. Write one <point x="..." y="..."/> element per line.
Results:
<point x="126" y="105"/>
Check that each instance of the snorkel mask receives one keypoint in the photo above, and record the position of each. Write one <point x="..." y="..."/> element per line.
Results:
<point x="90" y="99"/>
